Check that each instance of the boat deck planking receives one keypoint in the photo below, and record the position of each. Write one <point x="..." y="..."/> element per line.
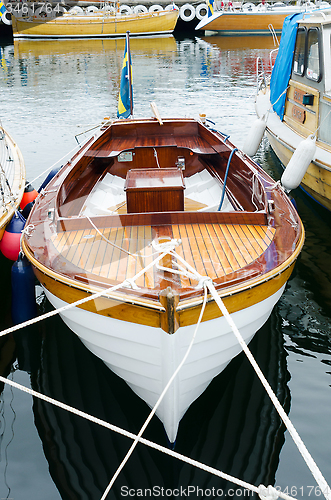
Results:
<point x="214" y="250"/>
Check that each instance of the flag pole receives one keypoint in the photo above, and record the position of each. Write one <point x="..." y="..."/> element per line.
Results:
<point x="129" y="70"/>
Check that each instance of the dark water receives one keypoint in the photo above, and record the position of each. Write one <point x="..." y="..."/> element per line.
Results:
<point x="53" y="91"/>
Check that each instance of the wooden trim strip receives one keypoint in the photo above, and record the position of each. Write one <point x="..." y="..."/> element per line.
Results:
<point x="162" y="218"/>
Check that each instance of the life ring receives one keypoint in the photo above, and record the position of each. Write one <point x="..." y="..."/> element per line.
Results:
<point x="5" y="19"/>
<point x="76" y="10"/>
<point x="248" y="6"/>
<point x="41" y="12"/>
<point x="109" y="9"/>
<point x="182" y="12"/>
<point x="155" y="8"/>
<point x="171" y="6"/>
<point x="139" y="9"/>
<point x="125" y="9"/>
<point x="91" y="8"/>
<point x="201" y="7"/>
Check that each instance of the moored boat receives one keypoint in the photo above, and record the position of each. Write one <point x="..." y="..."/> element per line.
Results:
<point x="97" y="24"/>
<point x="12" y="178"/>
<point x="299" y="118"/>
<point x="152" y="208"/>
<point x="253" y="19"/>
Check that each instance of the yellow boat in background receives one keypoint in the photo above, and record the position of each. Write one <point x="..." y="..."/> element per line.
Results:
<point x="37" y="48"/>
<point x="94" y="25"/>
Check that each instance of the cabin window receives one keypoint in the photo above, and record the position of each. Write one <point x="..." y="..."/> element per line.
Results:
<point x="313" y="55"/>
<point x="299" y="53"/>
<point x="324" y="133"/>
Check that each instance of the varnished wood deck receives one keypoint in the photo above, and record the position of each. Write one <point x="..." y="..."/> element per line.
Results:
<point x="214" y="250"/>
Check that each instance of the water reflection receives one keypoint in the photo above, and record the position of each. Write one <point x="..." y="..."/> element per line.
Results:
<point x="233" y="426"/>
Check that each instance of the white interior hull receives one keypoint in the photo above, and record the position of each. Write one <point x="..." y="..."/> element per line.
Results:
<point x="146" y="357"/>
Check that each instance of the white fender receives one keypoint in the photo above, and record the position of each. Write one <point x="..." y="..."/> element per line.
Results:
<point x="183" y="12"/>
<point x="155" y="8"/>
<point x="254" y="137"/>
<point x="6" y="18"/>
<point x="201" y="7"/>
<point x="299" y="163"/>
<point x="125" y="9"/>
<point x="140" y="8"/>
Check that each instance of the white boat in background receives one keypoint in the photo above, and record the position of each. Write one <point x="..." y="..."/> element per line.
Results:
<point x="300" y="118"/>
<point x="253" y="19"/>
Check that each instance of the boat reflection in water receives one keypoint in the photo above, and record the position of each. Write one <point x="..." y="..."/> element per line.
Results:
<point x="232" y="426"/>
<point x="35" y="48"/>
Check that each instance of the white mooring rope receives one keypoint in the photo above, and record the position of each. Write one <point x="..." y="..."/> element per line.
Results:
<point x="150" y="444"/>
<point x="157" y="404"/>
<point x="265" y="493"/>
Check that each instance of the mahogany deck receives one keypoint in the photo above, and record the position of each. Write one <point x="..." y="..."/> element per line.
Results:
<point x="213" y="249"/>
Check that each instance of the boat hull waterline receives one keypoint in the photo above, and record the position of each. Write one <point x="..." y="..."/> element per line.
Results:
<point x="95" y="227"/>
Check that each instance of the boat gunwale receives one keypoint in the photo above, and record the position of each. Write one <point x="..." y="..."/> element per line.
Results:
<point x="18" y="185"/>
<point x="129" y="296"/>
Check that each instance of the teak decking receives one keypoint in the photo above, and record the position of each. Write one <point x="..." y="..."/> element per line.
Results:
<point x="214" y="250"/>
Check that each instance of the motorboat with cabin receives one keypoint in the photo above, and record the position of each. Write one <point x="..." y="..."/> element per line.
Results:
<point x="295" y="105"/>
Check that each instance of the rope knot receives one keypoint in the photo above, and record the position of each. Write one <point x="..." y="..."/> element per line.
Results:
<point x="203" y="280"/>
<point x="130" y="283"/>
<point x="167" y="245"/>
<point x="28" y="230"/>
<point x="268" y="492"/>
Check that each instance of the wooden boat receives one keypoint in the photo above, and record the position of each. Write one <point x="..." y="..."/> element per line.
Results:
<point x="251" y="19"/>
<point x="139" y="184"/>
<point x="300" y="88"/>
<point x="94" y="25"/>
<point x="12" y="178"/>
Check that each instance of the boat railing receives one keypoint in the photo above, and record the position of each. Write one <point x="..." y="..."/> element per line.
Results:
<point x="272" y="58"/>
<point x="273" y="34"/>
<point x="261" y="79"/>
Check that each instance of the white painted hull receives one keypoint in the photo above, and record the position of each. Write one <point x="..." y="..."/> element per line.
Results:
<point x="146" y="357"/>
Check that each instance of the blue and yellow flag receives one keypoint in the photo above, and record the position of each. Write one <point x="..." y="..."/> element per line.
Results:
<point x="125" y="99"/>
<point x="2" y="8"/>
<point x="210" y="9"/>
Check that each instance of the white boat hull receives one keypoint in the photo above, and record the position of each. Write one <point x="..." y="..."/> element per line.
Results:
<point x="146" y="357"/>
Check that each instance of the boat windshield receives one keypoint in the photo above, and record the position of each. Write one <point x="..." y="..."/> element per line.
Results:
<point x="299" y="53"/>
<point x="313" y="55"/>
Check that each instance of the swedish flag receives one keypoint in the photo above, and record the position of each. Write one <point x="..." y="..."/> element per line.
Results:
<point x="125" y="99"/>
<point x="210" y="7"/>
<point x="2" y="8"/>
